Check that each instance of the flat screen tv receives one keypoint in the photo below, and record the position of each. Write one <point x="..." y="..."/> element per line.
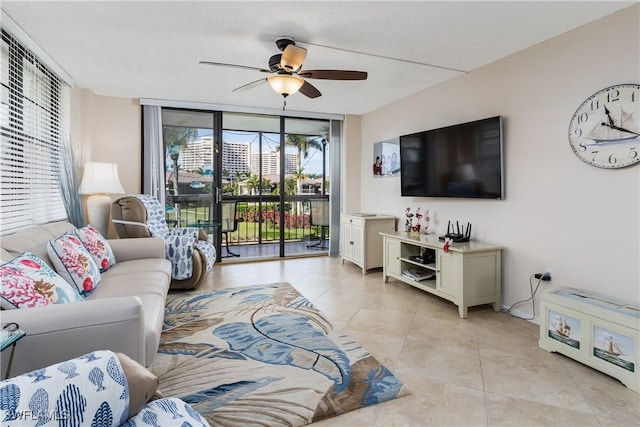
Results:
<point x="463" y="160"/>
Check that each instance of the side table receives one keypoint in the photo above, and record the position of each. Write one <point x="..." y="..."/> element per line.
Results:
<point x="11" y="334"/>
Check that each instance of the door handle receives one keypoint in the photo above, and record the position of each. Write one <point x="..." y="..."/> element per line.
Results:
<point x="218" y="195"/>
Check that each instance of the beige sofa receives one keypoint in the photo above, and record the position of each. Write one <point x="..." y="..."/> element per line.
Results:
<point x="124" y="313"/>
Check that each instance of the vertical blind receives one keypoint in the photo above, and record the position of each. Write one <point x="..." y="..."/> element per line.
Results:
<point x="35" y="122"/>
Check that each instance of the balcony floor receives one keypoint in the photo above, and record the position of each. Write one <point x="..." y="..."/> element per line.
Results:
<point x="256" y="252"/>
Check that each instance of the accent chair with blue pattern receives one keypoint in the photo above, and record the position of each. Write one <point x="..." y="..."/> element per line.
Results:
<point x="191" y="254"/>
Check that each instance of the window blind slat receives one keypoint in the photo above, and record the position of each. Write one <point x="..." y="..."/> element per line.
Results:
<point x="35" y="122"/>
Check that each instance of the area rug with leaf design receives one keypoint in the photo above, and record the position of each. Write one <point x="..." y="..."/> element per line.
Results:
<point x="264" y="355"/>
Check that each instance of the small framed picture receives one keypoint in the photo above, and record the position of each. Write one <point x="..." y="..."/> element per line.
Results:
<point x="386" y="158"/>
<point x="614" y="348"/>
<point x="565" y="329"/>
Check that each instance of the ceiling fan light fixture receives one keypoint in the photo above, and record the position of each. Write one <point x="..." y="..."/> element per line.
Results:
<point x="293" y="57"/>
<point x="285" y="84"/>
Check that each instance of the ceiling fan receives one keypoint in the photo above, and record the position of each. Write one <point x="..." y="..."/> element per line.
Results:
<point x="287" y="76"/>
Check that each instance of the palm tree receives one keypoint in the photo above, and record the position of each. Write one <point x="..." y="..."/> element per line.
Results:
<point x="266" y="184"/>
<point x="175" y="138"/>
<point x="253" y="183"/>
<point x="231" y="189"/>
<point x="290" y="186"/>
<point x="300" y="175"/>
<point x="304" y="144"/>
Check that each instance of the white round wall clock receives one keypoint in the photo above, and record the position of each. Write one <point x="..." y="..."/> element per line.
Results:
<point x="605" y="129"/>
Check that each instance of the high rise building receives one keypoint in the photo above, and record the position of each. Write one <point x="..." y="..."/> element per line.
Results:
<point x="271" y="163"/>
<point x="235" y="158"/>
<point x="197" y="154"/>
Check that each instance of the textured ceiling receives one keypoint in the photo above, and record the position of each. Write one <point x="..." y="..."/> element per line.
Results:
<point x="151" y="49"/>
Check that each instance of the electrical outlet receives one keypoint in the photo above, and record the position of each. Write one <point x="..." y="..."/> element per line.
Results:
<point x="549" y="270"/>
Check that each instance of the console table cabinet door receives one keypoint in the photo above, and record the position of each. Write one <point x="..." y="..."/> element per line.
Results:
<point x="392" y="258"/>
<point x="352" y="241"/>
<point x="449" y="279"/>
<point x="361" y="239"/>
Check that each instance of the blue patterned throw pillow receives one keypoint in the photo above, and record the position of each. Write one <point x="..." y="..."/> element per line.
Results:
<point x="90" y="390"/>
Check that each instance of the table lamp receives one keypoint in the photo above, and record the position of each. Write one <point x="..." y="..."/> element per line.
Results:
<point x="98" y="181"/>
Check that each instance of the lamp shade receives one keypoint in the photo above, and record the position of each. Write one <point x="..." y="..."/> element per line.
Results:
<point x="100" y="178"/>
<point x="285" y="84"/>
<point x="293" y="57"/>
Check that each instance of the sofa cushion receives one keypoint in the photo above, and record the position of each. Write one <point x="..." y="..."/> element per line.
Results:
<point x="74" y="263"/>
<point x="151" y="288"/>
<point x="151" y="265"/>
<point x="97" y="246"/>
<point x="153" y="309"/>
<point x="134" y="284"/>
<point x="142" y="383"/>
<point x="5" y="256"/>
<point x="27" y="281"/>
<point x="34" y="239"/>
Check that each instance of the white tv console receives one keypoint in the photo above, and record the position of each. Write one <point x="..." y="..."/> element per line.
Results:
<point x="468" y="275"/>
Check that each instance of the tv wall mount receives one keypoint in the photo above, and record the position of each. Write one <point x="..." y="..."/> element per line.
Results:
<point x="456" y="233"/>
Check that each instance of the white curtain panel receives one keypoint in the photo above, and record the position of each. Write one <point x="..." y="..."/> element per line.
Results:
<point x="153" y="166"/>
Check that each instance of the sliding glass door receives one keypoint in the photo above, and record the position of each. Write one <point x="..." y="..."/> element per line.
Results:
<point x="192" y="180"/>
<point x="306" y="200"/>
<point x="257" y="184"/>
<point x="273" y="165"/>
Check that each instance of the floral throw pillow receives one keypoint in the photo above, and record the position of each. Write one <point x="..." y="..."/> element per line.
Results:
<point x="27" y="281"/>
<point x="74" y="263"/>
<point x="97" y="246"/>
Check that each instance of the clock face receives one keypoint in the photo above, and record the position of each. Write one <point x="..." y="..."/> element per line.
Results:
<point x="605" y="129"/>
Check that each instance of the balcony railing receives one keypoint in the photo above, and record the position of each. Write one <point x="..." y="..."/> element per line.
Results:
<point x="258" y="217"/>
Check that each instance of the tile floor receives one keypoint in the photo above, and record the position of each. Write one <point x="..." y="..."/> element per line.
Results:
<point x="486" y="370"/>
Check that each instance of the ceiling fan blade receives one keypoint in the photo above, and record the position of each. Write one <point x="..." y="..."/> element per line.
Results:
<point x="292" y="57"/>
<point x="250" y="85"/>
<point x="309" y="90"/>
<point x="244" y="67"/>
<point x="333" y="74"/>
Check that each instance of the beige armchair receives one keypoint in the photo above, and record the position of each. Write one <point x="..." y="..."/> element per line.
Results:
<point x="142" y="216"/>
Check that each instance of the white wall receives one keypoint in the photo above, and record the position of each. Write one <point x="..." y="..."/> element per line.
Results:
<point x="107" y="129"/>
<point x="350" y="165"/>
<point x="559" y="213"/>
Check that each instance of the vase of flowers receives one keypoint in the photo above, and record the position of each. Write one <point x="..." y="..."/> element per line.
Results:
<point x="408" y="224"/>
<point x="427" y="220"/>
<point x="416" y="228"/>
